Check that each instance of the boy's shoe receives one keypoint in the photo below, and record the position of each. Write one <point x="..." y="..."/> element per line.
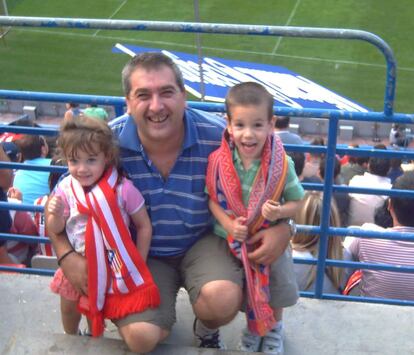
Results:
<point x="209" y="340"/>
<point x="249" y="342"/>
<point x="84" y="332"/>
<point x="272" y="343"/>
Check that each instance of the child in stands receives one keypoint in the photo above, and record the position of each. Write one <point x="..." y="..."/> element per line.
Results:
<point x="252" y="183"/>
<point x="94" y="205"/>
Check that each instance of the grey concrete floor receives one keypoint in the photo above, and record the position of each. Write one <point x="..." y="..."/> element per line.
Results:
<point x="30" y="324"/>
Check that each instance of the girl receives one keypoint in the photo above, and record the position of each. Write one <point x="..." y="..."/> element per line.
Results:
<point x="94" y="205"/>
<point x="307" y="245"/>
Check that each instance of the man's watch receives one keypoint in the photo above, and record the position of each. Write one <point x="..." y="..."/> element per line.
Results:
<point x="292" y="226"/>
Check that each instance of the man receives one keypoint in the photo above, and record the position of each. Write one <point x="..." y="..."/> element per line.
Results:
<point x="381" y="283"/>
<point x="282" y="130"/>
<point x="354" y="166"/>
<point x="32" y="184"/>
<point x="164" y="149"/>
<point x="362" y="206"/>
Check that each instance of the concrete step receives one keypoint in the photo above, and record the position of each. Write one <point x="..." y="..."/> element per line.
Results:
<point x="30" y="324"/>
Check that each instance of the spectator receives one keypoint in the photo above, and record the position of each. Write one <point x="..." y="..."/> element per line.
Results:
<point x="96" y="112"/>
<point x="382" y="216"/>
<point x="6" y="177"/>
<point x="32" y="184"/>
<point x="389" y="284"/>
<point x="341" y="198"/>
<point x="311" y="170"/>
<point x="307" y="245"/>
<point x="355" y="166"/>
<point x="72" y="110"/>
<point x="362" y="206"/>
<point x="282" y="130"/>
<point x="395" y="169"/>
<point x="398" y="137"/>
<point x="22" y="223"/>
<point x="299" y="161"/>
<point x="12" y="151"/>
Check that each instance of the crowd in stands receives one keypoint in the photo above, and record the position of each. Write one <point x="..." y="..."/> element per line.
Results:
<point x="367" y="211"/>
<point x="30" y="187"/>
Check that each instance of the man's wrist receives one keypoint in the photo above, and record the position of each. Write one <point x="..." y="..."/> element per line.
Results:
<point x="291" y="225"/>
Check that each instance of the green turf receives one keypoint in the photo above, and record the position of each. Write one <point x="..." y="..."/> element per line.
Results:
<point x="80" y="61"/>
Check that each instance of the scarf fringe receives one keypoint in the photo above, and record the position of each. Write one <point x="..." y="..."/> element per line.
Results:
<point x="265" y="322"/>
<point x="119" y="306"/>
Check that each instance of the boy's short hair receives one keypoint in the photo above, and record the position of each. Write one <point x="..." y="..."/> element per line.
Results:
<point x="249" y="93"/>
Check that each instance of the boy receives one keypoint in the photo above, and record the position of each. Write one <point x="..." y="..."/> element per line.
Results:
<point x="246" y="178"/>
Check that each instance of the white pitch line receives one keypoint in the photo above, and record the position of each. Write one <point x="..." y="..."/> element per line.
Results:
<point x="289" y="20"/>
<point x="114" y="13"/>
<point x="182" y="45"/>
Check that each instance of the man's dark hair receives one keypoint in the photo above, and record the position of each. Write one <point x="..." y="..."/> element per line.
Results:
<point x="382" y="216"/>
<point x="150" y="61"/>
<point x="282" y="122"/>
<point x="379" y="166"/>
<point x="337" y="168"/>
<point x="30" y="146"/>
<point x="249" y="93"/>
<point x="299" y="161"/>
<point x="352" y="159"/>
<point x="403" y="206"/>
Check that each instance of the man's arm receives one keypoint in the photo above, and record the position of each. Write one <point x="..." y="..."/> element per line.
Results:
<point x="74" y="265"/>
<point x="272" y="242"/>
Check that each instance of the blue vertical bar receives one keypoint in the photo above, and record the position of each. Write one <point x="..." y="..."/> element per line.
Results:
<point x="119" y="110"/>
<point x="326" y="209"/>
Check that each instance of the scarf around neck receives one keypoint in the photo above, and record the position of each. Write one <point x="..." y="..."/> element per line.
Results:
<point x="225" y="189"/>
<point x="119" y="281"/>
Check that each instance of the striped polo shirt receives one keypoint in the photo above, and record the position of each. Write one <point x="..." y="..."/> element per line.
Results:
<point x="177" y="206"/>
<point x="380" y="283"/>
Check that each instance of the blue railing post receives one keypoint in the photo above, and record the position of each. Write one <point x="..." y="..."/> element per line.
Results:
<point x="326" y="209"/>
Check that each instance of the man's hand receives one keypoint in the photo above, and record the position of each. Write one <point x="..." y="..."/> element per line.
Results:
<point x="271" y="243"/>
<point x="75" y="268"/>
<point x="15" y="193"/>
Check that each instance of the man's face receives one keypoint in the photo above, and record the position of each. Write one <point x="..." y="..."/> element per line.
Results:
<point x="156" y="103"/>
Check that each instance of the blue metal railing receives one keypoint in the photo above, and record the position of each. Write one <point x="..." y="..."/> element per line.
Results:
<point x="333" y="117"/>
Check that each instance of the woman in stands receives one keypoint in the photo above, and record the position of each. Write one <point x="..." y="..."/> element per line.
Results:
<point x="307" y="245"/>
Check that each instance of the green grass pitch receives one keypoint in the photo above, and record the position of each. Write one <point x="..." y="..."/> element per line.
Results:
<point x="81" y="61"/>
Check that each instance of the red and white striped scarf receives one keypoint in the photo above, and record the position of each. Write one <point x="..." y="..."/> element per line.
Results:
<point x="119" y="281"/>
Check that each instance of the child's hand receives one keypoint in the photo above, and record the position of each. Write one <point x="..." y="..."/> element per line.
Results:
<point x="56" y="206"/>
<point x="272" y="210"/>
<point x="239" y="230"/>
<point x="15" y="193"/>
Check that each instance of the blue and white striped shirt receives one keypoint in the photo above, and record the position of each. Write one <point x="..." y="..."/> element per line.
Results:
<point x="177" y="206"/>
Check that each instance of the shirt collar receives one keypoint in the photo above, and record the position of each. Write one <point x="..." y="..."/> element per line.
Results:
<point x="128" y="137"/>
<point x="239" y="164"/>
